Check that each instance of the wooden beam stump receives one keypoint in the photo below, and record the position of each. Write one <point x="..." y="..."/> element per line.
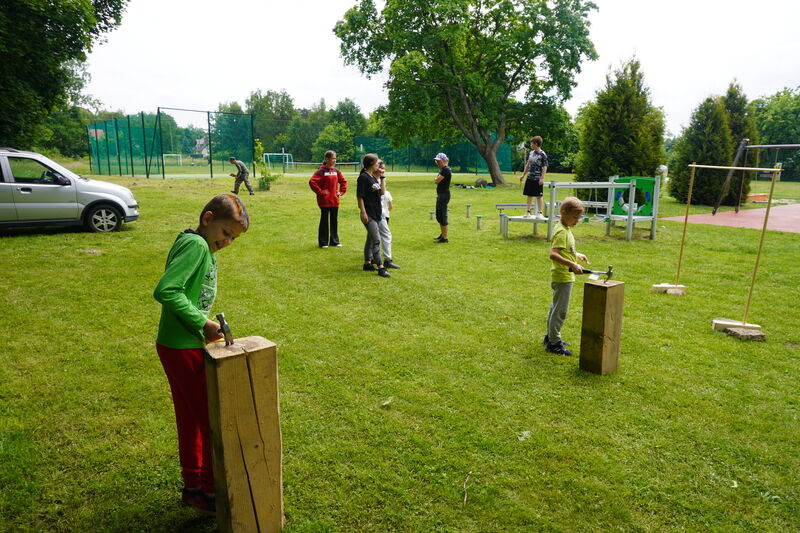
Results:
<point x="244" y="414"/>
<point x="602" y="326"/>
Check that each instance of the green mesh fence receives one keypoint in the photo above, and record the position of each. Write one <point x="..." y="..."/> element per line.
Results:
<point x="464" y="157"/>
<point x="171" y="143"/>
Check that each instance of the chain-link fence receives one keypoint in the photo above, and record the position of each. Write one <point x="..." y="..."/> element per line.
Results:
<point x="171" y="142"/>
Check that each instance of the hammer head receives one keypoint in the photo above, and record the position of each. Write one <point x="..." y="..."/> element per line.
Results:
<point x="225" y="329"/>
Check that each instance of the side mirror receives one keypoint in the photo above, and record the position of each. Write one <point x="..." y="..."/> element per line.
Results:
<point x="61" y="180"/>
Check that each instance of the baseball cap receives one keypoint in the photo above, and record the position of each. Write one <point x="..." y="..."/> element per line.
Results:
<point x="441" y="156"/>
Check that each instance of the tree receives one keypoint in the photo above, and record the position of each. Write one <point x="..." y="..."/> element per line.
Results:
<point x="272" y="112"/>
<point x="42" y="46"/>
<point x="456" y="67"/>
<point x="348" y="112"/>
<point x="778" y="121"/>
<point x="706" y="141"/>
<point x="621" y="132"/>
<point x="300" y="137"/>
<point x="335" y="136"/>
<point x="741" y="115"/>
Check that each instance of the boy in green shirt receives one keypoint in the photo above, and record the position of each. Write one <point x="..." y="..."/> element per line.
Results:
<point x="564" y="257"/>
<point x="186" y="292"/>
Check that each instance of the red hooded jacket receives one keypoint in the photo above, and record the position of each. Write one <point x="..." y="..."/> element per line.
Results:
<point x="331" y="180"/>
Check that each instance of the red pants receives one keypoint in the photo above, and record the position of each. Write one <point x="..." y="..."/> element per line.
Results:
<point x="186" y="373"/>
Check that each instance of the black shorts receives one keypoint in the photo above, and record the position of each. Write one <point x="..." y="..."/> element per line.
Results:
<point x="441" y="208"/>
<point x="532" y="187"/>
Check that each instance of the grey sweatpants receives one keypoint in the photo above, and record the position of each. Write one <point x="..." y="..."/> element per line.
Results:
<point x="372" y="246"/>
<point x="558" y="309"/>
<point x="386" y="239"/>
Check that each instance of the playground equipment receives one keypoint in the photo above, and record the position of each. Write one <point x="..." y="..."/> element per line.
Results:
<point x="724" y="324"/>
<point x="618" y="207"/>
<point x="742" y="150"/>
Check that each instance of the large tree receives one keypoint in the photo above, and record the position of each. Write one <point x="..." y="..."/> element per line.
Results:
<point x="741" y="115"/>
<point x="272" y="112"/>
<point x="707" y="141"/>
<point x="348" y="112"/>
<point x="778" y="120"/>
<point x="621" y="132"/>
<point x="459" y="66"/>
<point x="42" y="44"/>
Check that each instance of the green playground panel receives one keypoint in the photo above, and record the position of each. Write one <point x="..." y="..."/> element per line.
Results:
<point x="646" y="185"/>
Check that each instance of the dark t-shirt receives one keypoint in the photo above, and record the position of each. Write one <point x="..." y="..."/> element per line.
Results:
<point x="369" y="188"/>
<point x="443" y="187"/>
<point x="537" y="160"/>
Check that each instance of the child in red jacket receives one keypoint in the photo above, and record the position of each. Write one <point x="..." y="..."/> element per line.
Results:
<point x="329" y="185"/>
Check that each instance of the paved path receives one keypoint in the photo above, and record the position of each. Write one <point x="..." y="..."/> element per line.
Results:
<point x="781" y="218"/>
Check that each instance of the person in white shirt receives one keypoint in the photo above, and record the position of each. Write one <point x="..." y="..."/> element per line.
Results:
<point x="385" y="232"/>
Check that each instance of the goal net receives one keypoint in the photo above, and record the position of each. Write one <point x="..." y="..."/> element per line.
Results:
<point x="279" y="160"/>
<point x="173" y="159"/>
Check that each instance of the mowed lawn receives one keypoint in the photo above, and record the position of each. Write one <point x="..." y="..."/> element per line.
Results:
<point x="424" y="402"/>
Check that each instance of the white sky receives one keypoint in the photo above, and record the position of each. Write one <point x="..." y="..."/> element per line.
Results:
<point x="196" y="54"/>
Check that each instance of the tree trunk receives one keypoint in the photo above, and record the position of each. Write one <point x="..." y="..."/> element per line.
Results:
<point x="489" y="153"/>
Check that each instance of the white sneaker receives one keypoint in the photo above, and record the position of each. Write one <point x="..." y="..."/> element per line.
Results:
<point x="527" y="215"/>
<point x="540" y="216"/>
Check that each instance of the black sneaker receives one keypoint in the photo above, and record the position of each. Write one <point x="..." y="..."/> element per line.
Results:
<point x="199" y="501"/>
<point x="369" y="267"/>
<point x="382" y="273"/>
<point x="388" y="264"/>
<point x="441" y="240"/>
<point x="557" y="348"/>
<point x="546" y="340"/>
<point x="437" y="237"/>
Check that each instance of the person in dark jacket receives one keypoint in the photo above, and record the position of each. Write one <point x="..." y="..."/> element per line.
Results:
<point x="329" y="185"/>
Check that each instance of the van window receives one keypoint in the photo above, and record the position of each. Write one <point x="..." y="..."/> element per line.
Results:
<point x="26" y="170"/>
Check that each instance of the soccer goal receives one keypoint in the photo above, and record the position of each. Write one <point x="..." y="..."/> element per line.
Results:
<point x="178" y="158"/>
<point x="279" y="160"/>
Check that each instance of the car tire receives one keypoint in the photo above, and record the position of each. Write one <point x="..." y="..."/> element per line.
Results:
<point x="103" y="219"/>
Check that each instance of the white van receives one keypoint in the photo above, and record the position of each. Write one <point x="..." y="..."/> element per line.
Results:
<point x="36" y="191"/>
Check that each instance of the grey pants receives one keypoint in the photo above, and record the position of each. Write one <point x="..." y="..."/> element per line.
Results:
<point x="386" y="239"/>
<point x="372" y="247"/>
<point x="238" y="183"/>
<point x="558" y="309"/>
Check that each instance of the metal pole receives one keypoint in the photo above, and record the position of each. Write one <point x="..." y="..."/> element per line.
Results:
<point x="761" y="242"/>
<point x="130" y="146"/>
<point x="210" y="155"/>
<point x="253" y="144"/>
<point x="89" y="138"/>
<point x="685" y="223"/>
<point x="726" y="184"/>
<point x="116" y="137"/>
<point x="741" y="185"/>
<point x="108" y="151"/>
<point x="144" y="146"/>
<point x="161" y="143"/>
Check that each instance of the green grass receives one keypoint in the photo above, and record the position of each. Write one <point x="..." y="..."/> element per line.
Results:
<point x="696" y="431"/>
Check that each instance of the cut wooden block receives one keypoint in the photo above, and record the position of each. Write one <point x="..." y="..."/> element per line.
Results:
<point x="601" y="329"/>
<point x="668" y="288"/>
<point x="721" y="324"/>
<point x="244" y="415"/>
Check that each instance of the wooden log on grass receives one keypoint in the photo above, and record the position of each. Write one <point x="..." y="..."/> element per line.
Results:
<point x="244" y="416"/>
<point x="601" y="329"/>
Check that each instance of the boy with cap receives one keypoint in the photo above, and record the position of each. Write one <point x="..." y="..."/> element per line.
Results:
<point x="442" y="182"/>
<point x="241" y="175"/>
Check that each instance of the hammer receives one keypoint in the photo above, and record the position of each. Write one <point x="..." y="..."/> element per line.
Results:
<point x="608" y="273"/>
<point x="225" y="329"/>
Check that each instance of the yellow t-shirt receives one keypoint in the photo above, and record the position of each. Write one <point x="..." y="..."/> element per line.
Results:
<point x="565" y="242"/>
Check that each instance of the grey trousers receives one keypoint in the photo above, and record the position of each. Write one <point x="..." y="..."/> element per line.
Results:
<point x="386" y="239"/>
<point x="238" y="183"/>
<point x="372" y="246"/>
<point x="558" y="309"/>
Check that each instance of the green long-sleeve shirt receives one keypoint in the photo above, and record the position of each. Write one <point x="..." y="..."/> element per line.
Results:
<point x="186" y="292"/>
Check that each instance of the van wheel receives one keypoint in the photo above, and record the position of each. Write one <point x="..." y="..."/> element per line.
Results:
<point x="103" y="218"/>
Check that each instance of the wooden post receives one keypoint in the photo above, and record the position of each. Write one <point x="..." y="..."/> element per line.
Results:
<point x="602" y="326"/>
<point x="244" y="414"/>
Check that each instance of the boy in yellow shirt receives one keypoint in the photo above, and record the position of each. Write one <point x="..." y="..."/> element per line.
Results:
<point x="564" y="257"/>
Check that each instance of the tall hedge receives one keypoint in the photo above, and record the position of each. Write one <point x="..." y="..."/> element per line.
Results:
<point x="707" y="141"/>
<point x="620" y="132"/>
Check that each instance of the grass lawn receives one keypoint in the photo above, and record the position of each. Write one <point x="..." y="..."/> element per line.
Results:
<point x="696" y="431"/>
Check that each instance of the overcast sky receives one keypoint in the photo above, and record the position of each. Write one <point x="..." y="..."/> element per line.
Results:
<point x="196" y="54"/>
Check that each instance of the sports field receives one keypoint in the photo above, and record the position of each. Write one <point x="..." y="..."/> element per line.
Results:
<point x="424" y="402"/>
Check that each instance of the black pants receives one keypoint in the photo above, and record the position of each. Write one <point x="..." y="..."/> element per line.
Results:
<point x="441" y="208"/>
<point x="328" y="226"/>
